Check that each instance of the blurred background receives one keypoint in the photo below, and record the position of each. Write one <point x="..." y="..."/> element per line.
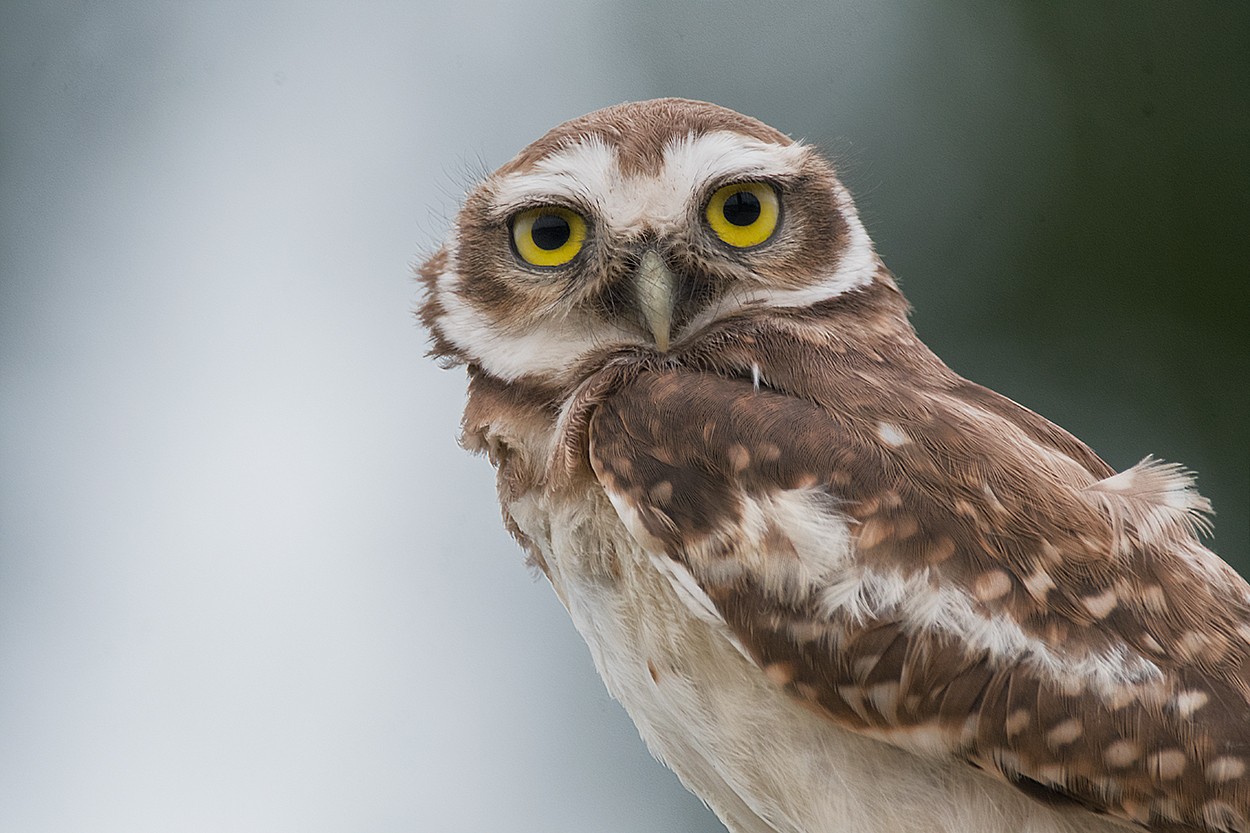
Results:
<point x="248" y="582"/>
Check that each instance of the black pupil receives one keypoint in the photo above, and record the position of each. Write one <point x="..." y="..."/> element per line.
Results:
<point x="742" y="208"/>
<point x="550" y="232"/>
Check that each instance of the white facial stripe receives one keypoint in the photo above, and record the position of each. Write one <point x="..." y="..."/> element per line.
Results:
<point x="587" y="173"/>
<point x="551" y="347"/>
<point x="855" y="269"/>
<point x="866" y="594"/>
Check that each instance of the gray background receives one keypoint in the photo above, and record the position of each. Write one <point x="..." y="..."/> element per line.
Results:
<point x="247" y="580"/>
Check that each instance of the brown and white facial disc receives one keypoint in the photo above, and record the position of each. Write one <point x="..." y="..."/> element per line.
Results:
<point x="651" y="269"/>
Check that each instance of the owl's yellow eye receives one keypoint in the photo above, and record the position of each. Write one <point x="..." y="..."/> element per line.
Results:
<point x="744" y="214"/>
<point x="548" y="236"/>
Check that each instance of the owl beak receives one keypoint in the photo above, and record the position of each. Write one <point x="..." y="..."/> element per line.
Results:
<point x="657" y="289"/>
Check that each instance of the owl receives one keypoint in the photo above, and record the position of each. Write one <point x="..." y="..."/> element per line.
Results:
<point x="836" y="586"/>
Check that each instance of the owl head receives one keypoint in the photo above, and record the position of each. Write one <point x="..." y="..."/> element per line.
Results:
<point x="638" y="227"/>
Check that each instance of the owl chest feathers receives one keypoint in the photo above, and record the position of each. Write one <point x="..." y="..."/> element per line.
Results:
<point x="762" y="761"/>
<point x="871" y="736"/>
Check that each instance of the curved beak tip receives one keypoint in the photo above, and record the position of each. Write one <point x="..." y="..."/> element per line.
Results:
<point x="656" y="287"/>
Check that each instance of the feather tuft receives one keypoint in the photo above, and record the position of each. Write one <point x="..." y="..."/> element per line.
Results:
<point x="1155" y="498"/>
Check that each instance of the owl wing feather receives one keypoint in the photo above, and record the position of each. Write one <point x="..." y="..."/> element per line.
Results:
<point x="972" y="583"/>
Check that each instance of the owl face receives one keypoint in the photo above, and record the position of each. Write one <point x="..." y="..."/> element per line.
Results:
<point x="637" y="227"/>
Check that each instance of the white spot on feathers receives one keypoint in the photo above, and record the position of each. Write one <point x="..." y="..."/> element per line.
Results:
<point x="892" y="435"/>
<point x="1038" y="584"/>
<point x="992" y="584"/>
<point x="1101" y="605"/>
<point x="1122" y="753"/>
<point x="1188" y="702"/>
<point x="1168" y="764"/>
<point x="1225" y="768"/>
<point x="1065" y="732"/>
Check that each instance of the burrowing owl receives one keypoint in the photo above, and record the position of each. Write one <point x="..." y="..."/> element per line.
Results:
<point x="836" y="586"/>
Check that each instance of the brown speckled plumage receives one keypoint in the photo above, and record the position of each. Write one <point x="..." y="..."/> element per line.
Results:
<point x="1002" y="599"/>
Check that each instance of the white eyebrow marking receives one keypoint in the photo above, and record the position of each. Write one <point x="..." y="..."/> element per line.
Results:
<point x="583" y="173"/>
<point x="691" y="163"/>
<point x="588" y="173"/>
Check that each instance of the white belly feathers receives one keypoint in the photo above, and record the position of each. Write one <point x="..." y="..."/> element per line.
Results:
<point x="764" y="763"/>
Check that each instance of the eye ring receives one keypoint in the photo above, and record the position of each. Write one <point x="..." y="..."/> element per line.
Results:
<point x="744" y="214"/>
<point x="548" y="236"/>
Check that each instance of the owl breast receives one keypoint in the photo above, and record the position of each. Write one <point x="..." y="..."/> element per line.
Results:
<point x="697" y="698"/>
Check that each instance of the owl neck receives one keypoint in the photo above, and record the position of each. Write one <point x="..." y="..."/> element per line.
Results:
<point x="534" y="430"/>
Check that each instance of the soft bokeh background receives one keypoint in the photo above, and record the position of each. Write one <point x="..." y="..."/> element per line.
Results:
<point x="247" y="580"/>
